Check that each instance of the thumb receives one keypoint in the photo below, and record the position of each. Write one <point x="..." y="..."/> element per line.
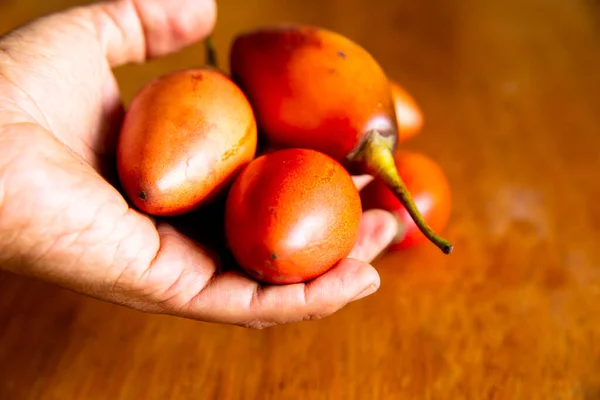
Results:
<point x="127" y="30"/>
<point x="138" y="30"/>
<point x="64" y="59"/>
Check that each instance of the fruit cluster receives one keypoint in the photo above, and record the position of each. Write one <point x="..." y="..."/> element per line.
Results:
<point x="303" y="109"/>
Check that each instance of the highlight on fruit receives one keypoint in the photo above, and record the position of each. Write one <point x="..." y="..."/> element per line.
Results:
<point x="291" y="215"/>
<point x="184" y="138"/>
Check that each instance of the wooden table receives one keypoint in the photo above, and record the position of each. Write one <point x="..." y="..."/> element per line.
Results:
<point x="511" y="95"/>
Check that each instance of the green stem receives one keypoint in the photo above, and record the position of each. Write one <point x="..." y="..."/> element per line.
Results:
<point x="377" y="158"/>
<point x="211" y="52"/>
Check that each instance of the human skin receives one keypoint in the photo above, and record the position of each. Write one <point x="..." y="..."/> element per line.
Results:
<point x="61" y="219"/>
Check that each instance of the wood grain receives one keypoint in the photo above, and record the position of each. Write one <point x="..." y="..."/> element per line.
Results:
<point x="511" y="96"/>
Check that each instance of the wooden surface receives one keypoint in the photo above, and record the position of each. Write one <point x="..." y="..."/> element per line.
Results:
<point x="511" y="95"/>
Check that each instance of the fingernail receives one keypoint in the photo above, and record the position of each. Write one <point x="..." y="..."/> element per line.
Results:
<point x="400" y="229"/>
<point x="372" y="288"/>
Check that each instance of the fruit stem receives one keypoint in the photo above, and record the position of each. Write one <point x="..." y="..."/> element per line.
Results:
<point x="376" y="156"/>
<point x="211" y="52"/>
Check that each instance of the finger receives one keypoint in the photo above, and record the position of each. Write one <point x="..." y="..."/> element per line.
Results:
<point x="377" y="229"/>
<point x="361" y="181"/>
<point x="233" y="298"/>
<point x="180" y="269"/>
<point x="137" y="30"/>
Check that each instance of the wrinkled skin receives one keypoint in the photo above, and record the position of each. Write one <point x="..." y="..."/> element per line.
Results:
<point x="429" y="186"/>
<point x="62" y="221"/>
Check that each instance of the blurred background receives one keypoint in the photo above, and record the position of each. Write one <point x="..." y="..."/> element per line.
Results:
<point x="510" y="93"/>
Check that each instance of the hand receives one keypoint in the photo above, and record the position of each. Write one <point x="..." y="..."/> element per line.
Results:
<point x="63" y="222"/>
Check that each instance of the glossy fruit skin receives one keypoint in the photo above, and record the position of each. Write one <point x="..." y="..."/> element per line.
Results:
<point x="429" y="188"/>
<point x="312" y="88"/>
<point x="183" y="139"/>
<point x="408" y="113"/>
<point x="291" y="215"/>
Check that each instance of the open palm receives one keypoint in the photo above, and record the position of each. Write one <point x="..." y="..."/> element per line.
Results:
<point x="63" y="221"/>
